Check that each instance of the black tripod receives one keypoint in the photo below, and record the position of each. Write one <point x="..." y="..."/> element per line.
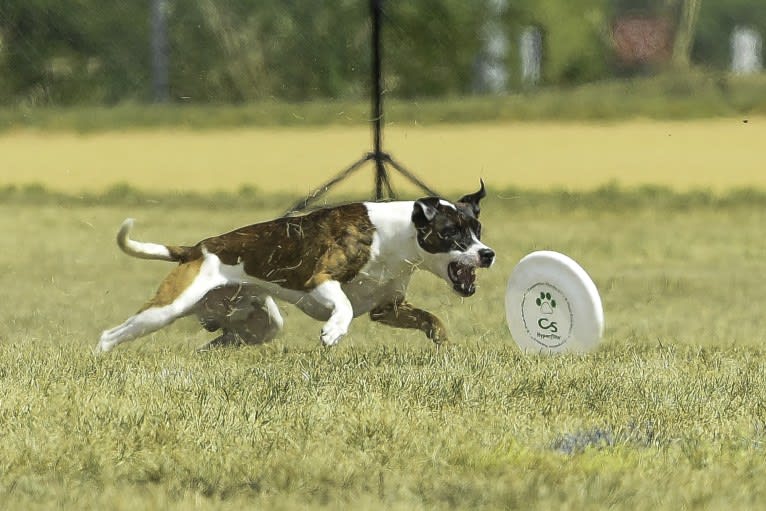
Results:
<point x="383" y="188"/>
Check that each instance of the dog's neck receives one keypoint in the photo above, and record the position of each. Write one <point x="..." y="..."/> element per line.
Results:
<point x="395" y="230"/>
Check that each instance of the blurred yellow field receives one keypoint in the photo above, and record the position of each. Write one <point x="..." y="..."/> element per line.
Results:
<point x="714" y="154"/>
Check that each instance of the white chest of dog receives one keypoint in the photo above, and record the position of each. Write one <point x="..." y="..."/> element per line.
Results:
<point x="334" y="264"/>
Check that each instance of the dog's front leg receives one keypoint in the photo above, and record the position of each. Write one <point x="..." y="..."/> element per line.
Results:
<point x="401" y="314"/>
<point x="331" y="296"/>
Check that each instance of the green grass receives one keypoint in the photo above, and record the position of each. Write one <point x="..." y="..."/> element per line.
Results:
<point x="669" y="412"/>
<point x="670" y="96"/>
<point x="559" y="201"/>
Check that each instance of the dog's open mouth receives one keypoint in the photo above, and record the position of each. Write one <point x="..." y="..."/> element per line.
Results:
<point x="463" y="278"/>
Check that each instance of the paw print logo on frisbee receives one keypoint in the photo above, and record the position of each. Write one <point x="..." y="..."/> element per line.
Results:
<point x="546" y="303"/>
<point x="552" y="305"/>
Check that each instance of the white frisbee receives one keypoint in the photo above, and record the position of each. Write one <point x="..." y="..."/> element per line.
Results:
<point x="553" y="306"/>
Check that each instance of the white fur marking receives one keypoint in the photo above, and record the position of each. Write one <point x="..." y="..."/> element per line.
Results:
<point x="140" y="249"/>
<point x="332" y="296"/>
<point x="274" y="316"/>
<point x="149" y="320"/>
<point x="394" y="232"/>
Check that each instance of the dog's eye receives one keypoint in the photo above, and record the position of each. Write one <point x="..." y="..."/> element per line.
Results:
<point x="450" y="232"/>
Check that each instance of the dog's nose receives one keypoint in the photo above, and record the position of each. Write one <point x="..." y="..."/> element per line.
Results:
<point x="486" y="257"/>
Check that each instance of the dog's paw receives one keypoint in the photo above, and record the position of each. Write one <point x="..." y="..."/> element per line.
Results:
<point x="331" y="333"/>
<point x="437" y="334"/>
<point x="435" y="330"/>
<point x="103" y="346"/>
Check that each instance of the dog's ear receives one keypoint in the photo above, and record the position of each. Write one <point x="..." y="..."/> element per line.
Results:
<point x="424" y="211"/>
<point x="472" y="200"/>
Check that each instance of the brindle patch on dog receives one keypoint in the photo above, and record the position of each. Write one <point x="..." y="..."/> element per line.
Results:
<point x="299" y="253"/>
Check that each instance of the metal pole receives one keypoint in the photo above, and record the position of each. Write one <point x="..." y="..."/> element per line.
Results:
<point x="377" y="98"/>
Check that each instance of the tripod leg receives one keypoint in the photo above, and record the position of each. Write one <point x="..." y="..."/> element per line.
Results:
<point x="389" y="190"/>
<point x="383" y="189"/>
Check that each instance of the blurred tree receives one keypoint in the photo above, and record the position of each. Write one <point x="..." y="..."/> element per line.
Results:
<point x="688" y="14"/>
<point x="322" y="47"/>
<point x="74" y="53"/>
<point x="159" y="51"/>
<point x="287" y="49"/>
<point x="90" y="51"/>
<point x="431" y="46"/>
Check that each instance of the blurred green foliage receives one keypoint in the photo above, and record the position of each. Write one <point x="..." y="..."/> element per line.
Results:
<point x="668" y="96"/>
<point x="93" y="52"/>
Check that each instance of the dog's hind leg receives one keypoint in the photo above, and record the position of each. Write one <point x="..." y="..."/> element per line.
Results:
<point x="261" y="325"/>
<point x="401" y="314"/>
<point x="178" y="294"/>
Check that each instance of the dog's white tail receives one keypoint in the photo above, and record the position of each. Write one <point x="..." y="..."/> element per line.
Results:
<point x="146" y="250"/>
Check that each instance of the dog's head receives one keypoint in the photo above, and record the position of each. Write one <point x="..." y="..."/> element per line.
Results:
<point x="449" y="235"/>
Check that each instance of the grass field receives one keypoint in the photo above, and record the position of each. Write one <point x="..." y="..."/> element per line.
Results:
<point x="669" y="412"/>
<point x="683" y="155"/>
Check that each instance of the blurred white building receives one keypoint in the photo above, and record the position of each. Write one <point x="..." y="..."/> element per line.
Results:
<point x="531" y="50"/>
<point x="746" y="51"/>
<point x="492" y="70"/>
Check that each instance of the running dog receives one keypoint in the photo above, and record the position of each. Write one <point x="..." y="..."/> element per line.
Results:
<point x="334" y="264"/>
